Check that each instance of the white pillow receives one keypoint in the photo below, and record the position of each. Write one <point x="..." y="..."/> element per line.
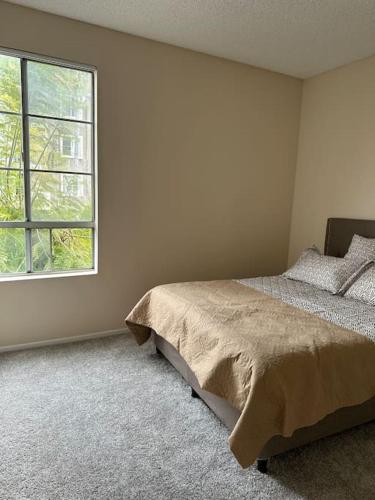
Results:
<point x="361" y="248"/>
<point x="364" y="288"/>
<point x="325" y="272"/>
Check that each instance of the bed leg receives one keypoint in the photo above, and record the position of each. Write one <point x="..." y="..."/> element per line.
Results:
<point x="262" y="465"/>
<point x="194" y="394"/>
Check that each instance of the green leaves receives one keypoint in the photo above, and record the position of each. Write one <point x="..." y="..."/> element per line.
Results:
<point x="62" y="249"/>
<point x="12" y="251"/>
<point x="11" y="195"/>
<point x="10" y="141"/>
<point x="10" y="84"/>
<point x="59" y="92"/>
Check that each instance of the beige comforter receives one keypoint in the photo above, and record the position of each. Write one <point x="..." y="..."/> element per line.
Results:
<point x="282" y="367"/>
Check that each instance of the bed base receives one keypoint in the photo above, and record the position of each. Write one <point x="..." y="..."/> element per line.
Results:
<point x="341" y="420"/>
<point x="194" y="394"/>
<point x="262" y="463"/>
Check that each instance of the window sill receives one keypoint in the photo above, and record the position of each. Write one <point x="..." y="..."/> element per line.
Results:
<point x="38" y="276"/>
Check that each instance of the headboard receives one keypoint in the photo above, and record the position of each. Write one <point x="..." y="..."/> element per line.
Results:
<point x="340" y="232"/>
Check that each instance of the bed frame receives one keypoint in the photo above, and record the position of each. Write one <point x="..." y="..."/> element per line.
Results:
<point x="339" y="234"/>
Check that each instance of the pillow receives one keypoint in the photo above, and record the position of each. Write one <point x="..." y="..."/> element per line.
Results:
<point x="364" y="288"/>
<point x="326" y="272"/>
<point x="361" y="248"/>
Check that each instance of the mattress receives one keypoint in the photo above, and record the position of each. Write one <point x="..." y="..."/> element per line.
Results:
<point x="342" y="311"/>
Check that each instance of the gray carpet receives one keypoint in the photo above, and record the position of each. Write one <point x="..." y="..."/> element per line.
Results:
<point x="106" y="419"/>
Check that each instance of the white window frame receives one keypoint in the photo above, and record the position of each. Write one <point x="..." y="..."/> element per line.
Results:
<point x="28" y="224"/>
<point x="74" y="140"/>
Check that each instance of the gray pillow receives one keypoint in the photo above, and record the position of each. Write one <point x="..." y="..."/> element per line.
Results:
<point x="361" y="248"/>
<point x="326" y="272"/>
<point x="364" y="288"/>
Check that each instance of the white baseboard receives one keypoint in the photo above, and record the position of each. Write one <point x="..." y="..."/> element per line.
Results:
<point x="62" y="340"/>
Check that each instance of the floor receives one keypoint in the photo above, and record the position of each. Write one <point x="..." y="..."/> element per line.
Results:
<point x="106" y="419"/>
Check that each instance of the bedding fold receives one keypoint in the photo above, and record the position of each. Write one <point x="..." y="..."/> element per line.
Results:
<point x="282" y="367"/>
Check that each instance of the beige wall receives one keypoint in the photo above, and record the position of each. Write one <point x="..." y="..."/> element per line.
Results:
<point x="336" y="155"/>
<point x="196" y="169"/>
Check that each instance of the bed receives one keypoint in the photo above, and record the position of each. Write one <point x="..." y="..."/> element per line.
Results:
<point x="351" y="352"/>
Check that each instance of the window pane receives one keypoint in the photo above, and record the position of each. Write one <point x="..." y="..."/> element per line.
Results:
<point x="10" y="141"/>
<point x="41" y="249"/>
<point x="11" y="195"/>
<point x="58" y="145"/>
<point x="10" y="84"/>
<point x="62" y="249"/>
<point x="59" y="92"/>
<point x="61" y="197"/>
<point x="12" y="251"/>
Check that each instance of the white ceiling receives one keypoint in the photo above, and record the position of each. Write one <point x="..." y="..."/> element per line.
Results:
<point x="297" y="37"/>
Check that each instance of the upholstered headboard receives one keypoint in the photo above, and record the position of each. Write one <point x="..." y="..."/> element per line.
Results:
<point x="340" y="232"/>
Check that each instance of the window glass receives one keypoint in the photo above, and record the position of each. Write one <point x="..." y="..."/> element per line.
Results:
<point x="60" y="145"/>
<point x="10" y="84"/>
<point x="59" y="92"/>
<point x="47" y="186"/>
<point x="11" y="195"/>
<point x="60" y="197"/>
<point x="62" y="249"/>
<point x="12" y="251"/>
<point x="10" y="141"/>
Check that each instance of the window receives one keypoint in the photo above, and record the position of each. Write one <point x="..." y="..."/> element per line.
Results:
<point x="71" y="147"/>
<point x="47" y="166"/>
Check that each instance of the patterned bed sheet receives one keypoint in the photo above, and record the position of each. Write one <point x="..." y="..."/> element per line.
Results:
<point x="342" y="311"/>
